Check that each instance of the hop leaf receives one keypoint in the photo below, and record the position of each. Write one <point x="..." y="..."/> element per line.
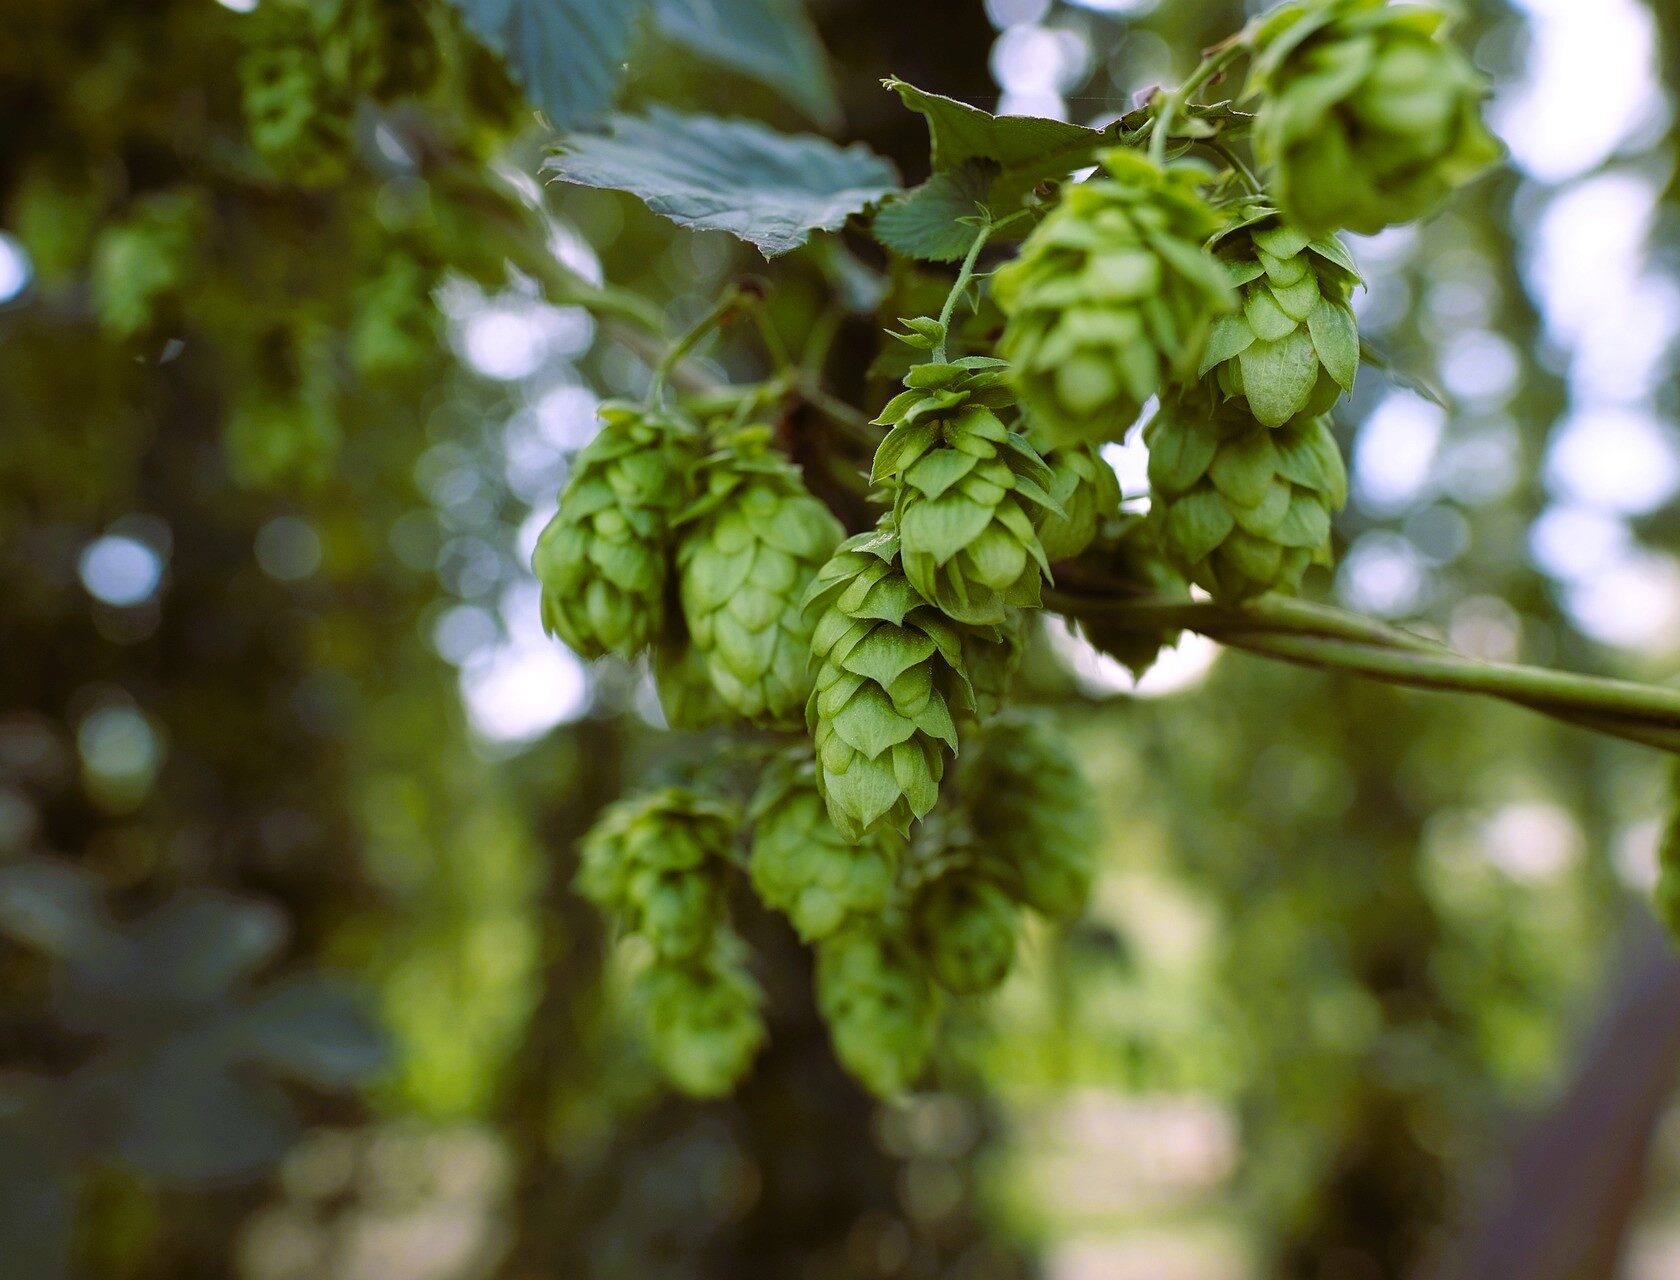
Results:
<point x="395" y="329"/>
<point x="654" y="862"/>
<point x="602" y="559"/>
<point x="1085" y="487"/>
<point x="966" y="928"/>
<point x="1367" y="116"/>
<point x="880" y="1009"/>
<point x="684" y="685"/>
<point x="1033" y="815"/>
<point x="965" y="492"/>
<point x="801" y="865"/>
<point x="1112" y="296"/>
<point x="1292" y="349"/>
<point x="703" y="1017"/>
<point x="750" y="544"/>
<point x="1243" y="509"/>
<point x="889" y="684"/>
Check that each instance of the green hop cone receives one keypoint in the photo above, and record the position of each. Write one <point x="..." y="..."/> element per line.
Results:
<point x="654" y="861"/>
<point x="684" y="685"/>
<point x="297" y="112"/>
<point x="880" y="1008"/>
<point x="1112" y="297"/>
<point x="966" y="491"/>
<point x="801" y="865"/>
<point x="889" y="684"/>
<point x="1086" y="488"/>
<point x="141" y="263"/>
<point x="704" y="1017"/>
<point x="1292" y="349"/>
<point x="1132" y="555"/>
<point x="1367" y="116"/>
<point x="750" y="543"/>
<point x="395" y="328"/>
<point x="602" y="560"/>
<point x="1243" y="509"/>
<point x="1033" y="814"/>
<point x="966" y="928"/>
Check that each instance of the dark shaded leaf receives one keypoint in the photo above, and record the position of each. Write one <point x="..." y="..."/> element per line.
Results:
<point x="316" y="1029"/>
<point x="771" y="41"/>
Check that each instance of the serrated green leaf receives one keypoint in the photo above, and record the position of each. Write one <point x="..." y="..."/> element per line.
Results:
<point x="568" y="55"/>
<point x="925" y="222"/>
<point x="771" y="41"/>
<point x="770" y="189"/>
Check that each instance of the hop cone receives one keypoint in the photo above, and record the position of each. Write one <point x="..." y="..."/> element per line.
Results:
<point x="141" y="263"/>
<point x="889" y="680"/>
<point x="703" y="1015"/>
<point x="1367" y="116"/>
<point x="1085" y="486"/>
<point x="1112" y="296"/>
<point x="602" y="560"/>
<point x="965" y="492"/>
<point x="1134" y="556"/>
<point x="1292" y="348"/>
<point x="801" y="865"/>
<point x="653" y="861"/>
<point x="750" y="544"/>
<point x="297" y="113"/>
<point x="1033" y="813"/>
<point x="684" y="685"/>
<point x="966" y="929"/>
<point x="878" y="1005"/>
<point x="395" y="330"/>
<point x="1243" y="508"/>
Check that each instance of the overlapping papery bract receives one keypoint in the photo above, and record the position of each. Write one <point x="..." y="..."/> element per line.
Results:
<point x="1112" y="297"/>
<point x="966" y="927"/>
<point x="889" y="684"/>
<point x="603" y="560"/>
<point x="704" y="1017"/>
<point x="1367" y="116"/>
<point x="1242" y="508"/>
<point x="879" y="1006"/>
<point x="801" y="865"/>
<point x="1291" y="349"/>
<point x="966" y="491"/>
<point x="1033" y="812"/>
<point x="749" y="545"/>
<point x="1086" y="488"/>
<point x="656" y="862"/>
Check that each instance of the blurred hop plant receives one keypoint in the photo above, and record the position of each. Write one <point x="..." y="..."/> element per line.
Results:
<point x="297" y="112"/>
<point x="1292" y="349"/>
<point x="141" y="263"/>
<point x="889" y="680"/>
<point x="704" y="1017"/>
<point x="602" y="559"/>
<point x="1243" y="509"/>
<point x="1112" y="296"/>
<point x="1033" y="813"/>
<point x="880" y="1008"/>
<point x="1668" y="862"/>
<point x="656" y="862"/>
<point x="749" y="545"/>
<point x="965" y="491"/>
<point x="966" y="928"/>
<point x="1367" y="116"/>
<point x="1086" y="489"/>
<point x="1133" y="556"/>
<point x="801" y="865"/>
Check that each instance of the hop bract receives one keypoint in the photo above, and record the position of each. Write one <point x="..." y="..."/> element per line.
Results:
<point x="966" y="928"/>
<point x="1112" y="296"/>
<point x="1367" y="116"/>
<point x="656" y="862"/>
<point x="801" y="865"/>
<point x="1292" y="349"/>
<point x="1086" y="488"/>
<point x="1242" y="508"/>
<point x="704" y="1019"/>
<point x="966" y="491"/>
<point x="878" y="1004"/>
<point x="1033" y="814"/>
<point x="889" y="680"/>
<point x="602" y="559"/>
<point x="750" y="544"/>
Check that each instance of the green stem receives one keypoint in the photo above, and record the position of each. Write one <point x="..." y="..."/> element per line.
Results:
<point x="1307" y="634"/>
<point x="1211" y="66"/>
<point x="964" y="275"/>
<point x="698" y="332"/>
